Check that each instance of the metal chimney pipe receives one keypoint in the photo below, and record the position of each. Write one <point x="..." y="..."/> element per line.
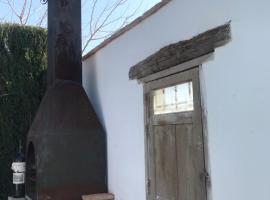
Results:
<point x="64" y="41"/>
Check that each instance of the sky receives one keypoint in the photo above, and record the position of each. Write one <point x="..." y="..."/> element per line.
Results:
<point x="124" y="14"/>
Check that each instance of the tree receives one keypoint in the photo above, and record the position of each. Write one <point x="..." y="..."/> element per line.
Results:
<point x="100" y="18"/>
<point x="23" y="63"/>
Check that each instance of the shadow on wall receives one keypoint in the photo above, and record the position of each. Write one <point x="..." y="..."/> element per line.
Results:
<point x="90" y="84"/>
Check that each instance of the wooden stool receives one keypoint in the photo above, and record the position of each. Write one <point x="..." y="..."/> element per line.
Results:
<point x="106" y="196"/>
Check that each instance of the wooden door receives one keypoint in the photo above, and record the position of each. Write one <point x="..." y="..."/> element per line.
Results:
<point x="175" y="142"/>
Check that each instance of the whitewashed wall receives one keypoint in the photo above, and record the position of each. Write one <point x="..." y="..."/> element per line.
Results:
<point x="235" y="89"/>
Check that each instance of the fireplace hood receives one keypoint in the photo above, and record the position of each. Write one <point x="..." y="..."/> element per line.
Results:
<point x="66" y="144"/>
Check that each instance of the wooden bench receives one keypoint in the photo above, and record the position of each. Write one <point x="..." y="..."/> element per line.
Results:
<point x="106" y="196"/>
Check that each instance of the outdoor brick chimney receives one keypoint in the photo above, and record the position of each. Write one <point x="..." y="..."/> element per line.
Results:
<point x="66" y="144"/>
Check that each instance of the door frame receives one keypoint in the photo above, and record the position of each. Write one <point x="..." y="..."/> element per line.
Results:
<point x="161" y="75"/>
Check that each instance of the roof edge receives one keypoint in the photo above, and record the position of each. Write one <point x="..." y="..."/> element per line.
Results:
<point x="128" y="27"/>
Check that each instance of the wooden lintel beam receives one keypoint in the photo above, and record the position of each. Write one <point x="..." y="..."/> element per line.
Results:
<point x="182" y="51"/>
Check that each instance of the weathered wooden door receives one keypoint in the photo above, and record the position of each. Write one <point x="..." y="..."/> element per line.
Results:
<point x="175" y="143"/>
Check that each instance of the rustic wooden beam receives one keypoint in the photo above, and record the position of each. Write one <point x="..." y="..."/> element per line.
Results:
<point x="182" y="51"/>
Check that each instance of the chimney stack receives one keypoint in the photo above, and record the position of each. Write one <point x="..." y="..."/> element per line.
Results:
<point x="64" y="41"/>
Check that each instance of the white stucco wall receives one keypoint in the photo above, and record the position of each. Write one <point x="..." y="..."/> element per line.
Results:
<point x="235" y="90"/>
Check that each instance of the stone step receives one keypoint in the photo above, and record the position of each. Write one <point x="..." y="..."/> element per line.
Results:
<point x="106" y="196"/>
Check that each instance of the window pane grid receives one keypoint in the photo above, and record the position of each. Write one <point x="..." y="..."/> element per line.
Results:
<point x="178" y="98"/>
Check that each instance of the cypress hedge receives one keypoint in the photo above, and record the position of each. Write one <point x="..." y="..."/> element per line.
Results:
<point x="23" y="61"/>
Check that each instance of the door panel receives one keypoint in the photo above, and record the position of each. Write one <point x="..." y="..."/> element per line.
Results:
<point x="165" y="162"/>
<point x="190" y="163"/>
<point x="175" y="158"/>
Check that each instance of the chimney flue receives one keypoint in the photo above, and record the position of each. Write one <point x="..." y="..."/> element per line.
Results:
<point x="64" y="41"/>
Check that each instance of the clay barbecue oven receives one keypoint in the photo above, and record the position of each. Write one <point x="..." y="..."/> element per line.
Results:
<point x="66" y="152"/>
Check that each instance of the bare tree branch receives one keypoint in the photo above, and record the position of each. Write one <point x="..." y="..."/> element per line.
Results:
<point x="12" y="8"/>
<point x="42" y="18"/>
<point x="92" y="15"/>
<point x="23" y="10"/>
<point x="98" y="27"/>
<point x="28" y="14"/>
<point x="104" y="19"/>
<point x="24" y="13"/>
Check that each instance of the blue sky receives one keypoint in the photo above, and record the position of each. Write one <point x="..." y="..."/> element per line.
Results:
<point x="132" y="9"/>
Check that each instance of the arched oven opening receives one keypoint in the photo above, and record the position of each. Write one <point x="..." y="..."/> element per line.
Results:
<point x="31" y="172"/>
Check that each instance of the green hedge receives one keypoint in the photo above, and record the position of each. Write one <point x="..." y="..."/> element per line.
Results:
<point x="23" y="61"/>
